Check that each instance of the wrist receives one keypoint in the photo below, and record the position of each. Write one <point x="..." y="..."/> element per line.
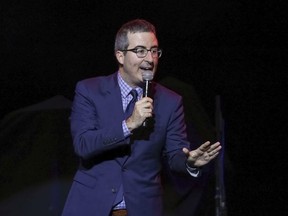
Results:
<point x="191" y="164"/>
<point x="130" y="124"/>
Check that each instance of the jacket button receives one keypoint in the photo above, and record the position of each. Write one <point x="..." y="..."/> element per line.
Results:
<point x="113" y="190"/>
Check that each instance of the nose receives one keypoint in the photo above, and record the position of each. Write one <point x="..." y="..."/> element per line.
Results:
<point x="149" y="56"/>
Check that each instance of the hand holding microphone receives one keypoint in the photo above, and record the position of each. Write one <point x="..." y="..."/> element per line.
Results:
<point x="142" y="107"/>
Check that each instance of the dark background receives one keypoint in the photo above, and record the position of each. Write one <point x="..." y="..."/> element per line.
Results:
<point x="235" y="49"/>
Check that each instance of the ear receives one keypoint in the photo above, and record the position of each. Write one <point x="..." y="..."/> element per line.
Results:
<point x="120" y="56"/>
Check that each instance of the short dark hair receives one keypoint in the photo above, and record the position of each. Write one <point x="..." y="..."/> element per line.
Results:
<point x="133" y="26"/>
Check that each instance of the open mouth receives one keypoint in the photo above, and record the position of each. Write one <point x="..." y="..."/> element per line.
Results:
<point x="146" y="68"/>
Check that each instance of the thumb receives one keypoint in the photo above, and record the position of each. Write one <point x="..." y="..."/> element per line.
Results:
<point x="186" y="151"/>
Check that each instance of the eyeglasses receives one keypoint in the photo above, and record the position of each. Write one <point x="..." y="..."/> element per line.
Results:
<point x="142" y="52"/>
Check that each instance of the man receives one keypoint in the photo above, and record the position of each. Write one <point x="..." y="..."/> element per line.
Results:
<point x="120" y="159"/>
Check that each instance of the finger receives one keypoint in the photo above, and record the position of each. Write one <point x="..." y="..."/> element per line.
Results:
<point x="214" y="155"/>
<point x="186" y="151"/>
<point x="148" y="106"/>
<point x="147" y="111"/>
<point x="215" y="146"/>
<point x="215" y="151"/>
<point x="205" y="146"/>
<point x="147" y="99"/>
<point x="211" y="153"/>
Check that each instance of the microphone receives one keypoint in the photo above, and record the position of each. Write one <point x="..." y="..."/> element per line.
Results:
<point x="147" y="76"/>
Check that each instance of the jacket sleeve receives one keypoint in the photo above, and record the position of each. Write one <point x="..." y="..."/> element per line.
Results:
<point x="176" y="138"/>
<point x="93" y="130"/>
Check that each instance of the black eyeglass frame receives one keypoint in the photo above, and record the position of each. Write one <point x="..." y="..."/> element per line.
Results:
<point x="159" y="51"/>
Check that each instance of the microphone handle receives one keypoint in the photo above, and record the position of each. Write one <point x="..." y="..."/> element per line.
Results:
<point x="145" y="123"/>
<point x="146" y="93"/>
<point x="146" y="89"/>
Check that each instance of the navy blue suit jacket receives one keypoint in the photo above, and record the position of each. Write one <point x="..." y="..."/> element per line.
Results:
<point x="108" y="159"/>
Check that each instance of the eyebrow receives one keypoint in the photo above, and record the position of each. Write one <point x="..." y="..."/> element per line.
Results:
<point x="139" y="46"/>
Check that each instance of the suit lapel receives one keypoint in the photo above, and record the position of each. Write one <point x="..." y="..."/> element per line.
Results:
<point x="114" y="106"/>
<point x="113" y="100"/>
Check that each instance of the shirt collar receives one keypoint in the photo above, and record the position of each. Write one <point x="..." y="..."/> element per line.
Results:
<point x="125" y="88"/>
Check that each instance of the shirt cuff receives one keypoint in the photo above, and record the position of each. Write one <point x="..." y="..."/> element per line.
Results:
<point x="126" y="131"/>
<point x="193" y="171"/>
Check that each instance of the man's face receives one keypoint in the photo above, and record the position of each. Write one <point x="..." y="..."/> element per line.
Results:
<point x="133" y="66"/>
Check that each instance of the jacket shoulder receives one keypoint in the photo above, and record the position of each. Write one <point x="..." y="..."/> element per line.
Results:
<point x="98" y="80"/>
<point x="98" y="83"/>
<point x="166" y="92"/>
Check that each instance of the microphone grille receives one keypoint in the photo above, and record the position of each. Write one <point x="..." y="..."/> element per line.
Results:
<point x="147" y="75"/>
